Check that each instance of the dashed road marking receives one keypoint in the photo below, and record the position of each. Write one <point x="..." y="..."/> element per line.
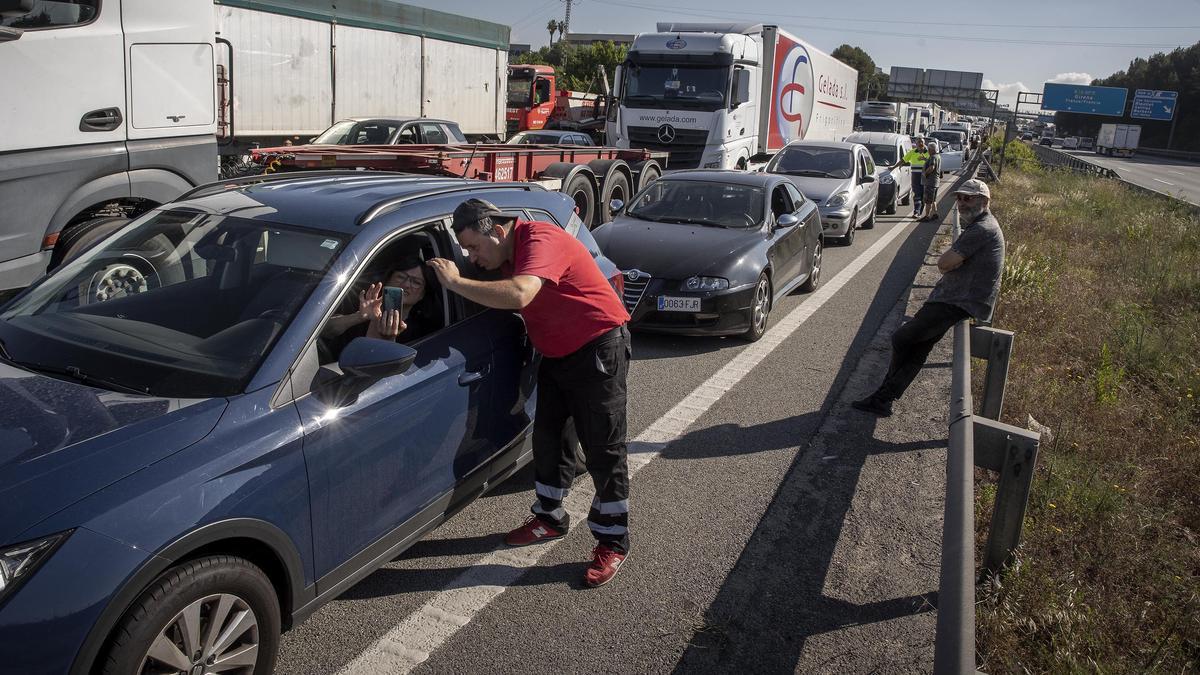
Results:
<point x="412" y="641"/>
<point x="1164" y="182"/>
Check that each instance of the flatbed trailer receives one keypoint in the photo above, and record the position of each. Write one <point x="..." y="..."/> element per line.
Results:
<point x="592" y="176"/>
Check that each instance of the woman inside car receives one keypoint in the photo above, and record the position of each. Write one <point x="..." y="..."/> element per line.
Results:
<point x="418" y="316"/>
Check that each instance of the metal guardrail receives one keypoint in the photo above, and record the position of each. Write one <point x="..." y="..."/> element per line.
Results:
<point x="1174" y="154"/>
<point x="1051" y="157"/>
<point x="978" y="441"/>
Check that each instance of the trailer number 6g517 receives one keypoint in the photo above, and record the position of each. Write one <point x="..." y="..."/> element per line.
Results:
<point x="504" y="173"/>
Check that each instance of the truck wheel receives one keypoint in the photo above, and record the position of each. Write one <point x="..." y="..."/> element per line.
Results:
<point x="214" y="614"/>
<point x="79" y="238"/>
<point x="616" y="186"/>
<point x="580" y="189"/>
<point x="646" y="173"/>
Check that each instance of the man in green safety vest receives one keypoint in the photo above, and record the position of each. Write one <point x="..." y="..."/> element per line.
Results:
<point x="916" y="158"/>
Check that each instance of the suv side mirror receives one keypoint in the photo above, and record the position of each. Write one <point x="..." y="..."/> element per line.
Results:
<point x="364" y="362"/>
<point x="867" y="179"/>
<point x="615" y="206"/>
<point x="9" y="34"/>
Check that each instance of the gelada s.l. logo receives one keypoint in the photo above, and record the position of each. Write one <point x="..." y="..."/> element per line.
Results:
<point x="794" y="91"/>
<point x="677" y="43"/>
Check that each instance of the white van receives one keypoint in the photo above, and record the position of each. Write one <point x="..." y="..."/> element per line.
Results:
<point x="895" y="185"/>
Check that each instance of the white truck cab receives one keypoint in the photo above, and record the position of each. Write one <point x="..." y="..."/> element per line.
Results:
<point x="109" y="110"/>
<point x="721" y="96"/>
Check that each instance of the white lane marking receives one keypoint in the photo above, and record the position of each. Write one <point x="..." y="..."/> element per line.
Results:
<point x="1177" y="173"/>
<point x="411" y="642"/>
<point x="1164" y="182"/>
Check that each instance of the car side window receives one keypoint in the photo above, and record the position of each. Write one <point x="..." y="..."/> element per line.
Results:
<point x="454" y="133"/>
<point x="398" y="263"/>
<point x="432" y="134"/>
<point x="407" y="135"/>
<point x="45" y="14"/>
<point x="781" y="202"/>
<point x="797" y="196"/>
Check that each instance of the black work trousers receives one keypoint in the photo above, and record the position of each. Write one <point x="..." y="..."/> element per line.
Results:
<point x="587" y="386"/>
<point x="912" y="342"/>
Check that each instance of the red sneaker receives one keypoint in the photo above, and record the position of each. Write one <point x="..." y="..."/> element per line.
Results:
<point x="533" y="531"/>
<point x="606" y="562"/>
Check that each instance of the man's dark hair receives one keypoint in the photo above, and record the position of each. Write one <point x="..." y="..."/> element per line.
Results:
<point x="478" y="215"/>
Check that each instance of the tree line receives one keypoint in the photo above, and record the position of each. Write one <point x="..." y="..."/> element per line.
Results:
<point x="577" y="65"/>
<point x="1178" y="70"/>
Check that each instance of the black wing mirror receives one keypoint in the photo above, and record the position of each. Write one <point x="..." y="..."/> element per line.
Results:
<point x="867" y="179"/>
<point x="8" y="34"/>
<point x="615" y="206"/>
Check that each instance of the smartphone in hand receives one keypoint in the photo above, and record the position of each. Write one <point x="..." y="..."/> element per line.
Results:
<point x="393" y="298"/>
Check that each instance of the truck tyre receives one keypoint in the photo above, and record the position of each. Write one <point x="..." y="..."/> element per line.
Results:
<point x="581" y="190"/>
<point x="229" y="601"/>
<point x="80" y="237"/>
<point x="616" y="186"/>
<point x="645" y="173"/>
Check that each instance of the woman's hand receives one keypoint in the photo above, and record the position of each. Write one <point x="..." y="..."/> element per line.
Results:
<point x="386" y="326"/>
<point x="370" y="302"/>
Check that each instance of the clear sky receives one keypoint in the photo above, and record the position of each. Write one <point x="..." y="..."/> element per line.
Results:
<point x="1016" y="44"/>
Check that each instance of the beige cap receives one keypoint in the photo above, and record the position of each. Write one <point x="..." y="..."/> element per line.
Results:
<point x="974" y="187"/>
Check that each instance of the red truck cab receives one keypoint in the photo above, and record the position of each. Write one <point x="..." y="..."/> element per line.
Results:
<point x="531" y="97"/>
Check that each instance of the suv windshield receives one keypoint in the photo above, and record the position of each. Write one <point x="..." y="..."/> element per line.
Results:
<point x="699" y="202"/>
<point x="180" y="304"/>
<point x="676" y="86"/>
<point x="815" y="161"/>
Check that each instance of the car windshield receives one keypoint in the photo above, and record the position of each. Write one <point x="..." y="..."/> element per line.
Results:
<point x="349" y="132"/>
<point x="676" y="86"/>
<point x="518" y="91"/>
<point x="885" y="125"/>
<point x="953" y="138"/>
<point x="699" y="202"/>
<point x="814" y="161"/>
<point x="883" y="154"/>
<point x="179" y="304"/>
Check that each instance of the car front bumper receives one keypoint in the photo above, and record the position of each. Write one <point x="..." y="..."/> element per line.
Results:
<point x="725" y="312"/>
<point x="835" y="222"/>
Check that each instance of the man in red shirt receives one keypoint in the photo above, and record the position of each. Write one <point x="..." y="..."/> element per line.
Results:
<point x="577" y="322"/>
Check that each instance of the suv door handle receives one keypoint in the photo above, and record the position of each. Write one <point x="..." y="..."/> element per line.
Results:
<point x="105" y="119"/>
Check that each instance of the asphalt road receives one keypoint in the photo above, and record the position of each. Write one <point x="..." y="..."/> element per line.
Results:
<point x="735" y="527"/>
<point x="1175" y="177"/>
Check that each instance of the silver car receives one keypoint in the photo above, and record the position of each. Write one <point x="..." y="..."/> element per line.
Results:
<point x="839" y="177"/>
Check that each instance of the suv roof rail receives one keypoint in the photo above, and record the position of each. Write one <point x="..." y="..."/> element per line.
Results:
<point x="217" y="186"/>
<point x="389" y="205"/>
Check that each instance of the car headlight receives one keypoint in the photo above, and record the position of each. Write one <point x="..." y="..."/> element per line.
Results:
<point x="705" y="284"/>
<point x="885" y="178"/>
<point x="18" y="562"/>
<point x="840" y="199"/>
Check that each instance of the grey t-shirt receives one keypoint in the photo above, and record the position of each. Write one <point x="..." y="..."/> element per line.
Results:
<point x="974" y="285"/>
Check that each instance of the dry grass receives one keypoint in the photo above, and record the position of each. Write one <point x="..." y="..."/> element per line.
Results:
<point x="1102" y="286"/>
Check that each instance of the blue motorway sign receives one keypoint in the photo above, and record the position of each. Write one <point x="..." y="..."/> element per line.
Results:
<point x="1083" y="99"/>
<point x="1154" y="104"/>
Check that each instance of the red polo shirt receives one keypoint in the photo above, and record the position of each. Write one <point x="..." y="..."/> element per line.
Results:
<point x="576" y="304"/>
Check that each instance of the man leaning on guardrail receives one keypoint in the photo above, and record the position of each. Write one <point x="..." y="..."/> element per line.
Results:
<point x="968" y="288"/>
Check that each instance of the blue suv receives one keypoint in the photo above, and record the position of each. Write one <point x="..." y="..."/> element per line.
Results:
<point x="196" y="452"/>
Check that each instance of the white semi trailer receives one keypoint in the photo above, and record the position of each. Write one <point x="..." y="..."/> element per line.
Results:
<point x="725" y="95"/>
<point x="113" y="107"/>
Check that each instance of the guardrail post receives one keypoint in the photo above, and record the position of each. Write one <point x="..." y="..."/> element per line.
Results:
<point x="1012" y="452"/>
<point x="996" y="346"/>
